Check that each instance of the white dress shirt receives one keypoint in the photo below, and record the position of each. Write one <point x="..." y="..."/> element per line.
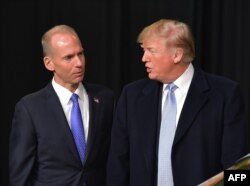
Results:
<point x="183" y="84"/>
<point x="64" y="96"/>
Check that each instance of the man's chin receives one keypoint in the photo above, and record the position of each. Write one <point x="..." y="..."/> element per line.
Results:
<point x="79" y="79"/>
<point x="151" y="76"/>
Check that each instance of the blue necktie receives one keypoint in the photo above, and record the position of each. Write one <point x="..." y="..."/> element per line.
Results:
<point x="167" y="133"/>
<point x="77" y="127"/>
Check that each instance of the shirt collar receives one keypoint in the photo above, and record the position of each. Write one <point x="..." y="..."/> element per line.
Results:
<point x="65" y="95"/>
<point x="184" y="81"/>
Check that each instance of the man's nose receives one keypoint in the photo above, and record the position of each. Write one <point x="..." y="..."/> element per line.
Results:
<point x="79" y="60"/>
<point x="144" y="57"/>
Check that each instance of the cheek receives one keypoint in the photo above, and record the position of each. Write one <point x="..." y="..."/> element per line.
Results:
<point x="64" y="70"/>
<point x="159" y="63"/>
<point x="163" y="67"/>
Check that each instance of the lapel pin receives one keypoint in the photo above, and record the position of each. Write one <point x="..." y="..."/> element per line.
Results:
<point x="96" y="100"/>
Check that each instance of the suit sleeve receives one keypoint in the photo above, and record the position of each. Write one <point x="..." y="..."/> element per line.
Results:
<point x="22" y="147"/>
<point x="118" y="161"/>
<point x="234" y="142"/>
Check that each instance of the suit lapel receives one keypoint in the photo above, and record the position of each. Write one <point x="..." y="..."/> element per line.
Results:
<point x="195" y="100"/>
<point x="57" y="112"/>
<point x="94" y="105"/>
<point x="148" y="104"/>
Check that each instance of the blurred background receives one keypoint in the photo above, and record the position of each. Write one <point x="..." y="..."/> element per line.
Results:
<point x="108" y="30"/>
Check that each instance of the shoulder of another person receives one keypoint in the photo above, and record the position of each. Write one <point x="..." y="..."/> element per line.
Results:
<point x="141" y="84"/>
<point x="221" y="80"/>
<point x="34" y="95"/>
<point x="216" y="78"/>
<point x="92" y="88"/>
<point x="34" y="99"/>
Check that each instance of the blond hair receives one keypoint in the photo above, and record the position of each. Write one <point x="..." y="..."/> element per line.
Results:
<point x="176" y="33"/>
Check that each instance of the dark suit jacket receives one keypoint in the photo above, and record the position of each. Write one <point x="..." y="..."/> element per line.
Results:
<point x="210" y="136"/>
<point x="42" y="148"/>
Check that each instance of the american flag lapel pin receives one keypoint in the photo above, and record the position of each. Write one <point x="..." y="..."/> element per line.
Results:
<point x="96" y="100"/>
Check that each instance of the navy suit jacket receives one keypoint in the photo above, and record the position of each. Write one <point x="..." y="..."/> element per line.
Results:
<point x="42" y="149"/>
<point x="210" y="135"/>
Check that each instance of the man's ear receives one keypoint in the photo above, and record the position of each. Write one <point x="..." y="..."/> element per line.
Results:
<point x="48" y="63"/>
<point x="178" y="55"/>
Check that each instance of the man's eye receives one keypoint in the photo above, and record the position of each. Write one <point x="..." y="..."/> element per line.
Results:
<point x="67" y="58"/>
<point x="80" y="54"/>
<point x="152" y="51"/>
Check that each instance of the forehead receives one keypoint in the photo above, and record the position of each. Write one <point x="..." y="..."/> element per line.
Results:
<point x="66" y="42"/>
<point x="63" y="38"/>
<point x="65" y="45"/>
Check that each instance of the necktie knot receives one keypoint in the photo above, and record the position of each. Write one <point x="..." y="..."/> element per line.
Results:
<point x="171" y="87"/>
<point x="74" y="98"/>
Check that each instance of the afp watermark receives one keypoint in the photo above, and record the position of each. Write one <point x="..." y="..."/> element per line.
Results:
<point x="236" y="177"/>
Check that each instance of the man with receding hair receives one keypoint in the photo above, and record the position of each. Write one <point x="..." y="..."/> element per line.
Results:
<point x="45" y="140"/>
